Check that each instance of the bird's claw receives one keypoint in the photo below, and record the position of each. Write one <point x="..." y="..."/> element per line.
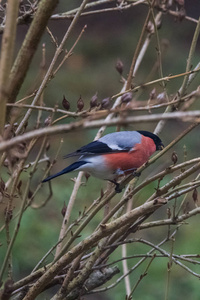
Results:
<point x="136" y="174"/>
<point x="117" y="188"/>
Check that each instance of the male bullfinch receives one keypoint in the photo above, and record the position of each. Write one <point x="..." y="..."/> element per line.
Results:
<point x="114" y="155"/>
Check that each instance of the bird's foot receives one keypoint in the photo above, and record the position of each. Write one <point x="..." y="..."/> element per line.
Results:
<point x="117" y="186"/>
<point x="136" y="174"/>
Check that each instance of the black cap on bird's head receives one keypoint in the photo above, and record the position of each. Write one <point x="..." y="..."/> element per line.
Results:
<point x="154" y="137"/>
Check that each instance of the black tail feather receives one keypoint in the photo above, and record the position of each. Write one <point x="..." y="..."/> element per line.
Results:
<point x="70" y="168"/>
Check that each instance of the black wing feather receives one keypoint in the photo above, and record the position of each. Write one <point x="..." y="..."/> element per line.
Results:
<point x="94" y="147"/>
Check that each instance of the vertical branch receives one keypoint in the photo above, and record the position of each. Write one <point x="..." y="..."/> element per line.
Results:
<point x="183" y="88"/>
<point x="7" y="51"/>
<point x="169" y="268"/>
<point x="12" y="240"/>
<point x="139" y="45"/>
<point x="125" y="270"/>
<point x="146" y="44"/>
<point x="186" y="80"/>
<point x="66" y="218"/>
<point x="124" y="253"/>
<point x="29" y="46"/>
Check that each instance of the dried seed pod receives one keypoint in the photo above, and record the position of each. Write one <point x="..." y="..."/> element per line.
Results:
<point x="48" y="121"/>
<point x="127" y="97"/>
<point x="8" y="132"/>
<point x="21" y="147"/>
<point x="159" y="24"/>
<point x="119" y="66"/>
<point x="161" y="98"/>
<point x="152" y="94"/>
<point x="6" y="163"/>
<point x="63" y="210"/>
<point x="105" y="103"/>
<point x="65" y="103"/>
<point x="174" y="157"/>
<point x="150" y="27"/>
<point x="169" y="213"/>
<point x="94" y="101"/>
<point x="195" y="196"/>
<point x="182" y="14"/>
<point x="80" y="104"/>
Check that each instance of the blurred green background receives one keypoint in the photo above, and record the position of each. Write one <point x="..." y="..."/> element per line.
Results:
<point x="91" y="69"/>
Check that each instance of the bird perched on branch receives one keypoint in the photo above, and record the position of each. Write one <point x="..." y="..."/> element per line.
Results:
<point x="114" y="155"/>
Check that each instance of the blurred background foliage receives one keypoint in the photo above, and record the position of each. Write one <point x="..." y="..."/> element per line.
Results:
<point x="91" y="69"/>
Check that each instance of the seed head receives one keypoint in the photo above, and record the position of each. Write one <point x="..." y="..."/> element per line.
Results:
<point x="119" y="66"/>
<point x="80" y="104"/>
<point x="65" y="103"/>
<point x="94" y="101"/>
<point x="127" y="97"/>
<point x="105" y="103"/>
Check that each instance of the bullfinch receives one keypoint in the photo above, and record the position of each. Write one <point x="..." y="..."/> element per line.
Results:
<point x="114" y="155"/>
